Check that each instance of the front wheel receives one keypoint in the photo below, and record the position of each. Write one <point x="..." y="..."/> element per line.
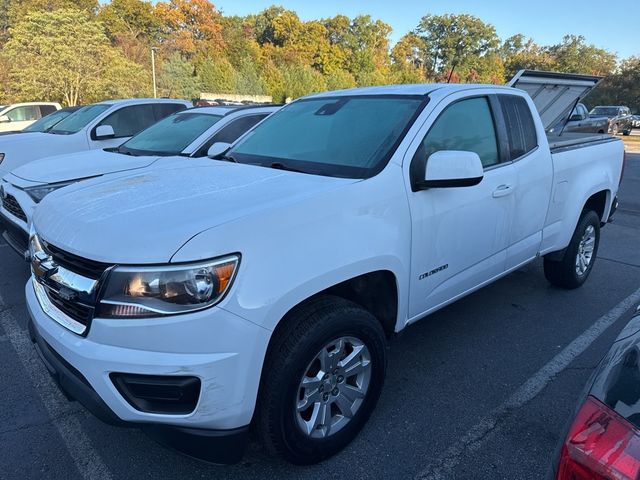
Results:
<point x="573" y="269"/>
<point x="321" y="380"/>
<point x="614" y="129"/>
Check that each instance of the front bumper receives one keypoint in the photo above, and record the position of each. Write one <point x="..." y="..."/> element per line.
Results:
<point x="179" y="345"/>
<point x="15" y="230"/>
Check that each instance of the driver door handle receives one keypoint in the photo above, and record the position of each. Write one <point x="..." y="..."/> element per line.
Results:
<point x="503" y="191"/>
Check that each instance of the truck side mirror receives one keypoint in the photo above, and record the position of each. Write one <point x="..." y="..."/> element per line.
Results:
<point x="576" y="118"/>
<point x="104" y="131"/>
<point x="217" y="149"/>
<point x="452" y="168"/>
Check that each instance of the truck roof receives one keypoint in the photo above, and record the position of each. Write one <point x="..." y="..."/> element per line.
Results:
<point x="412" y="89"/>
<point x="126" y="101"/>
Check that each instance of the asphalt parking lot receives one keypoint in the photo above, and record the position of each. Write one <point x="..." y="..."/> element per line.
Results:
<point x="481" y="389"/>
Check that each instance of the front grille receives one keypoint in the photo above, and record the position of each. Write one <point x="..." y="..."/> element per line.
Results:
<point x="79" y="312"/>
<point x="82" y="266"/>
<point x="12" y="206"/>
<point x="70" y="284"/>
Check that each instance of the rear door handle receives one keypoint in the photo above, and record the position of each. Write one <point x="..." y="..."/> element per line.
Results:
<point x="503" y="191"/>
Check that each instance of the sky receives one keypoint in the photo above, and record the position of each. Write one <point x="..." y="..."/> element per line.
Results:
<point x="607" y="24"/>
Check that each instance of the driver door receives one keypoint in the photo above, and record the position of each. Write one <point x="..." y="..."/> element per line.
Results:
<point x="460" y="235"/>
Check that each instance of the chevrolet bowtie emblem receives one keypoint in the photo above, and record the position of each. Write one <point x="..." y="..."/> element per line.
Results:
<point x="43" y="265"/>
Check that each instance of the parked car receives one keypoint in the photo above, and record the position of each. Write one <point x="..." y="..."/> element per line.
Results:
<point x="101" y="125"/>
<point x="603" y="439"/>
<point x="186" y="134"/>
<point x="635" y="121"/>
<point x="581" y="121"/>
<point x="619" y="118"/>
<point x="262" y="288"/>
<point x="47" y="122"/>
<point x="20" y="115"/>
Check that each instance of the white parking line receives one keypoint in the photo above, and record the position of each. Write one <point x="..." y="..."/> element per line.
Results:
<point x="475" y="437"/>
<point x="63" y="415"/>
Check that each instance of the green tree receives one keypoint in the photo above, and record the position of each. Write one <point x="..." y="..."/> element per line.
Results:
<point x="452" y="41"/>
<point x="218" y="76"/>
<point x="574" y="55"/>
<point x="248" y="80"/>
<point x="520" y="53"/>
<point x="60" y="55"/>
<point x="135" y="19"/>
<point x="621" y="88"/>
<point x="300" y="80"/>
<point x="178" y="79"/>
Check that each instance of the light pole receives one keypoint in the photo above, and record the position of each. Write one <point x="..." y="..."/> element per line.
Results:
<point x="153" y="71"/>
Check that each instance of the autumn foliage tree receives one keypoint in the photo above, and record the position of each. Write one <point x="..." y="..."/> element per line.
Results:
<point x="92" y="50"/>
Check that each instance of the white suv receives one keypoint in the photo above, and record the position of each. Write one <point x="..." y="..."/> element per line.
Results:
<point x="15" y="117"/>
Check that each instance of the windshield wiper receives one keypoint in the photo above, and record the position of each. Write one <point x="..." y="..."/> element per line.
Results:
<point x="282" y="166"/>
<point x="229" y="158"/>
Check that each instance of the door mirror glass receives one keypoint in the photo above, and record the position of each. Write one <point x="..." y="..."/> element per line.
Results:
<point x="576" y="118"/>
<point x="4" y="119"/>
<point x="452" y="168"/>
<point x="217" y="149"/>
<point x="104" y="131"/>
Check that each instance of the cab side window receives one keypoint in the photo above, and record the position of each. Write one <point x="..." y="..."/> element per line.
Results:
<point x="46" y="110"/>
<point x="128" y="121"/>
<point x="24" y="114"/>
<point x="464" y="125"/>
<point x="231" y="132"/>
<point x="163" y="110"/>
<point x="521" y="129"/>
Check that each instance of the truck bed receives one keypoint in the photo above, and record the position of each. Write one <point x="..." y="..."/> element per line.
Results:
<point x="573" y="140"/>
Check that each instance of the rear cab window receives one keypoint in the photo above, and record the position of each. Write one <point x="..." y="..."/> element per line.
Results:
<point x="521" y="129"/>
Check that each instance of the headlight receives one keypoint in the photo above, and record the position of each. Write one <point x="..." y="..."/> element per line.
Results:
<point x="39" y="192"/>
<point x="156" y="291"/>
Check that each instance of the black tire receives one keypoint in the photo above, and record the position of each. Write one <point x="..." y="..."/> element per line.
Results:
<point x="563" y="273"/>
<point x="626" y="133"/>
<point x="306" y="332"/>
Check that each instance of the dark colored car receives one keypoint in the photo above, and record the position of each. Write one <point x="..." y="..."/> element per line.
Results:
<point x="603" y="441"/>
<point x="47" y="122"/>
<point x="619" y="118"/>
<point x="635" y="121"/>
<point x="581" y="121"/>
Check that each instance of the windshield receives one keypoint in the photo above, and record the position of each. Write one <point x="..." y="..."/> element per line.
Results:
<point x="79" y="119"/>
<point x="604" y="111"/>
<point x="346" y="136"/>
<point x="45" y="123"/>
<point x="171" y="135"/>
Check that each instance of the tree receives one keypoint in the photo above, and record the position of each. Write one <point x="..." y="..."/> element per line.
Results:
<point x="300" y="80"/>
<point x="192" y="27"/>
<point x="574" y="55"/>
<point x="60" y="55"/>
<point x="621" y="88"/>
<point x="19" y="9"/>
<point x="454" y="40"/>
<point x="135" y="19"/>
<point x="177" y="78"/>
<point x="218" y="76"/>
<point x="520" y="53"/>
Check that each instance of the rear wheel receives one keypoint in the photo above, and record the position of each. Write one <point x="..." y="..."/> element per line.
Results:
<point x="321" y="380"/>
<point x="627" y="132"/>
<point x="573" y="269"/>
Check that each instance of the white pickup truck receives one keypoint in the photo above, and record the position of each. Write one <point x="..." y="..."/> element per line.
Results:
<point x="187" y="134"/>
<point x="261" y="289"/>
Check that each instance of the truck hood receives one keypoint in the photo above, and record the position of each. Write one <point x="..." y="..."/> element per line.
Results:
<point x="146" y="217"/>
<point x="75" y="166"/>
